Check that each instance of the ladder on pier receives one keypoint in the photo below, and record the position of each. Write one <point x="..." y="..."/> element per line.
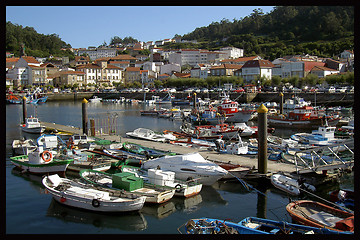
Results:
<point x="325" y="158"/>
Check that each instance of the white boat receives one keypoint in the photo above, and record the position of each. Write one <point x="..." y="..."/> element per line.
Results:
<point x="148" y="134"/>
<point x="40" y="162"/>
<point x="76" y="194"/>
<point x="95" y="99"/>
<point x="323" y="136"/>
<point x="166" y="178"/>
<point x="32" y="125"/>
<point x="23" y="147"/>
<point x="126" y="181"/>
<point x="238" y="148"/>
<point x="289" y="185"/>
<point x="246" y="131"/>
<point x="295" y="102"/>
<point x="188" y="166"/>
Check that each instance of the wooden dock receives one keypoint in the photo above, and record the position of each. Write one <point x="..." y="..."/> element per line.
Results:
<point x="245" y="161"/>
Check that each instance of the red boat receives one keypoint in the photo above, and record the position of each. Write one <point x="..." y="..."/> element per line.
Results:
<point x="233" y="112"/>
<point x="302" y="117"/>
<point x="316" y="214"/>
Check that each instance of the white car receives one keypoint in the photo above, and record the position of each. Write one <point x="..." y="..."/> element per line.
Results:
<point x="331" y="89"/>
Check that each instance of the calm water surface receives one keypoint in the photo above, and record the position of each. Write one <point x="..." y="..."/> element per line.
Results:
<point x="28" y="206"/>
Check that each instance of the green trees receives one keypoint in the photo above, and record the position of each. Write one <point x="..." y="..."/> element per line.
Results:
<point x="37" y="45"/>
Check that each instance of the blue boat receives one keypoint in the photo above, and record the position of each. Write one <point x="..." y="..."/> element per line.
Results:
<point x="251" y="225"/>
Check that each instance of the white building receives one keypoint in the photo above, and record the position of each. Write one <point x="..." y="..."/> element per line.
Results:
<point x="194" y="56"/>
<point x="200" y="71"/>
<point x="95" y="53"/>
<point x="257" y="68"/>
<point x="170" y="68"/>
<point x="231" y="52"/>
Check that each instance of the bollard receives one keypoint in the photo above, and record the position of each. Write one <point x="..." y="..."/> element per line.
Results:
<point x="262" y="139"/>
<point x="24" y="110"/>
<point x="281" y="102"/>
<point x="92" y="127"/>
<point x="84" y="116"/>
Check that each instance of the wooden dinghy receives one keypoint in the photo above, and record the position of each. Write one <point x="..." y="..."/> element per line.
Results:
<point x="316" y="214"/>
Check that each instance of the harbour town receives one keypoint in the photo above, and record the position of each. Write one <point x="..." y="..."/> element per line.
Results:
<point x="220" y="131"/>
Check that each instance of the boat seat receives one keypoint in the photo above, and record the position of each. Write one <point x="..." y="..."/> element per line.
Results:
<point x="325" y="218"/>
<point x="55" y="180"/>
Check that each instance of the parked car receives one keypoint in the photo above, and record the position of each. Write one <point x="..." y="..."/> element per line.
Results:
<point x="238" y="90"/>
<point x="331" y="89"/>
<point x="351" y="89"/>
<point x="341" y="89"/>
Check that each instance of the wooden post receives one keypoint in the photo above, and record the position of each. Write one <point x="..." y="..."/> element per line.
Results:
<point x="84" y="116"/>
<point x="194" y="100"/>
<point x="24" y="110"/>
<point x="92" y="127"/>
<point x="262" y="139"/>
<point x="281" y="102"/>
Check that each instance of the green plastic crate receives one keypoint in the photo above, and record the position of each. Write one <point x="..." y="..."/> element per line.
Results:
<point x="127" y="181"/>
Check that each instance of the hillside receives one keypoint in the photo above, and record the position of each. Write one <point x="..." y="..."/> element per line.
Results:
<point x="319" y="30"/>
<point x="36" y="44"/>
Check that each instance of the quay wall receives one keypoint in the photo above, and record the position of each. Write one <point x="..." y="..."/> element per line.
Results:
<point x="328" y="99"/>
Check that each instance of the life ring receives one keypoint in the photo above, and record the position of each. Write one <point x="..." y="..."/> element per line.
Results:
<point x="95" y="203"/>
<point x="46" y="156"/>
<point x="197" y="132"/>
<point x="178" y="188"/>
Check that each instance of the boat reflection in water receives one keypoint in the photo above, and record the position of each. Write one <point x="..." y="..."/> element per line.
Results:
<point x="133" y="221"/>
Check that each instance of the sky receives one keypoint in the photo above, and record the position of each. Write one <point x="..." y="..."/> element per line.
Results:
<point x="84" y="26"/>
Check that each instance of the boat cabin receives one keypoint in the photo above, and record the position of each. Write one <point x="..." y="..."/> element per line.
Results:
<point x="32" y="122"/>
<point x="79" y="139"/>
<point x="325" y="131"/>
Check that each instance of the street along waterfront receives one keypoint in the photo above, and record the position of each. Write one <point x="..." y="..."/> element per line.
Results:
<point x="28" y="205"/>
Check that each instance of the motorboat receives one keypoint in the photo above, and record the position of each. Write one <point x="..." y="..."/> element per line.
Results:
<point x="126" y="181"/>
<point x="188" y="166"/>
<point x="148" y="134"/>
<point x="290" y="185"/>
<point x="166" y="178"/>
<point x="32" y="125"/>
<point x="295" y="102"/>
<point x="85" y="196"/>
<point x="316" y="214"/>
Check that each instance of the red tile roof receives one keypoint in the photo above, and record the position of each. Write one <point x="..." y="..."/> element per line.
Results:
<point x="30" y="59"/>
<point x="13" y="59"/>
<point x="133" y="69"/>
<point x="258" y="64"/>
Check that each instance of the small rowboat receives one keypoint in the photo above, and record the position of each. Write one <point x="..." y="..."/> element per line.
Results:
<point x="316" y="214"/>
<point x="128" y="182"/>
<point x="86" y="196"/>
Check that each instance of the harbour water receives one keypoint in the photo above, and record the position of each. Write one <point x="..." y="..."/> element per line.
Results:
<point x="29" y="210"/>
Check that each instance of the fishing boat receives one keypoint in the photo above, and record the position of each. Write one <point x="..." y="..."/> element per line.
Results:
<point x="32" y="125"/>
<point x="148" y="134"/>
<point x="188" y="166"/>
<point x="86" y="196"/>
<point x="166" y="178"/>
<point x="232" y="111"/>
<point x="23" y="146"/>
<point x="194" y="142"/>
<point x="319" y="215"/>
<point x="302" y="118"/>
<point x="166" y="100"/>
<point x="290" y="185"/>
<point x="250" y="225"/>
<point x="343" y="197"/>
<point x="246" y="131"/>
<point x="39" y="162"/>
<point x="129" y="182"/>
<point x="295" y="102"/>
<point x="152" y="112"/>
<point x="206" y="116"/>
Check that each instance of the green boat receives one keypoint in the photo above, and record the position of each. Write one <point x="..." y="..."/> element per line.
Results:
<point x="41" y="163"/>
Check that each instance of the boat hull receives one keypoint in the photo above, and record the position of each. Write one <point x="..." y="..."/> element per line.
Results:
<point x="70" y="198"/>
<point x="33" y="130"/>
<point x="56" y="166"/>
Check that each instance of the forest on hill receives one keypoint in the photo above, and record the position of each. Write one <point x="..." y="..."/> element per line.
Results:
<point x="324" y="31"/>
<point x="36" y="44"/>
